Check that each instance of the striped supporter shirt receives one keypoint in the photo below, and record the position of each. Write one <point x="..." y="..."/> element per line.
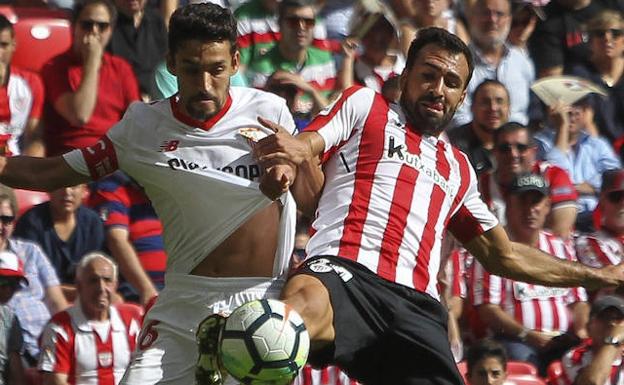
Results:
<point x="87" y="354"/>
<point x="330" y="375"/>
<point x="562" y="190"/>
<point x="390" y="192"/>
<point x="20" y="100"/>
<point x="535" y="307"/>
<point x="578" y="358"/>
<point x="600" y="249"/>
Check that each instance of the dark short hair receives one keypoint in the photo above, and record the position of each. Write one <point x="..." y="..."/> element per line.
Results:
<point x="202" y="21"/>
<point x="489" y="82"/>
<point x="485" y="348"/>
<point x="285" y="4"/>
<point x="79" y="6"/>
<point x="510" y="127"/>
<point x="443" y="39"/>
<point x="6" y="24"/>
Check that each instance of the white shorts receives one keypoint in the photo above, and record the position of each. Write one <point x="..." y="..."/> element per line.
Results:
<point x="166" y="352"/>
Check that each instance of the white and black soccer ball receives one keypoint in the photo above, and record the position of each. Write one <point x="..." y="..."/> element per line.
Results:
<point x="264" y="342"/>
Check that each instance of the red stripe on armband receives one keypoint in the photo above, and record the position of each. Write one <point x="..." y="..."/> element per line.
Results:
<point x="101" y="158"/>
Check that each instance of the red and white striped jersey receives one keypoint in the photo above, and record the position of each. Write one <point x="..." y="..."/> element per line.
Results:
<point x="71" y="345"/>
<point x="456" y="273"/>
<point x="562" y="190"/>
<point x="600" y="249"/>
<point x="534" y="306"/>
<point x="581" y="356"/>
<point x="330" y="375"/>
<point x="20" y="100"/>
<point x="391" y="192"/>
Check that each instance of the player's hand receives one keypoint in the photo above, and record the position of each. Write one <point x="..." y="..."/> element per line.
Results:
<point x="276" y="180"/>
<point x="280" y="148"/>
<point x="558" y="114"/>
<point x="92" y="48"/>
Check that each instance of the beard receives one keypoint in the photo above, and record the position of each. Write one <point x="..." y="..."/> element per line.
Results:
<point x="428" y="124"/>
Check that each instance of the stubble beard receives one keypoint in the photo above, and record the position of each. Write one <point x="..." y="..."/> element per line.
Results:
<point x="426" y="125"/>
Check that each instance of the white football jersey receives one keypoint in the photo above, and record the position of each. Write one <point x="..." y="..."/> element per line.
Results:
<point x="200" y="176"/>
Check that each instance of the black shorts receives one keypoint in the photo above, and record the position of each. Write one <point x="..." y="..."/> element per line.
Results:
<point x="386" y="333"/>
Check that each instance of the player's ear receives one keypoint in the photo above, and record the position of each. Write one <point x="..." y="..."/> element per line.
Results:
<point x="235" y="62"/>
<point x="171" y="63"/>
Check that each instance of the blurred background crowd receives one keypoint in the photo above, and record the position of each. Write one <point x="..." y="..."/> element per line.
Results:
<point x="549" y="168"/>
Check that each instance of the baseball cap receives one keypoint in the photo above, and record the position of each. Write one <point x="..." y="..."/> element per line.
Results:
<point x="612" y="180"/>
<point x="605" y="302"/>
<point x="528" y="182"/>
<point x="534" y="5"/>
<point x="11" y="266"/>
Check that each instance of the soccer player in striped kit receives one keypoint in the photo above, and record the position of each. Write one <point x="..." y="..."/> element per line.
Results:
<point x="387" y="192"/>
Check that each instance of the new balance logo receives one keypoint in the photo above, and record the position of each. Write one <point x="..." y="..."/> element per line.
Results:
<point x="169" y="145"/>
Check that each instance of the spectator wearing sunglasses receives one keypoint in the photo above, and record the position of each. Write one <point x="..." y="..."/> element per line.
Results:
<point x="526" y="317"/>
<point x="569" y="145"/>
<point x="87" y="89"/>
<point x="515" y="152"/>
<point x="12" y="279"/>
<point x="605" y="68"/>
<point x="308" y="68"/>
<point x="34" y="304"/>
<point x="605" y="246"/>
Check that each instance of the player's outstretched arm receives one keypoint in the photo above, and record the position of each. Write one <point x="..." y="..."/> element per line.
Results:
<point x="302" y="153"/>
<point x="42" y="174"/>
<point x="519" y="262"/>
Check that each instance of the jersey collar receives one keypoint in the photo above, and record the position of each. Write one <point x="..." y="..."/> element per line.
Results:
<point x="204" y="125"/>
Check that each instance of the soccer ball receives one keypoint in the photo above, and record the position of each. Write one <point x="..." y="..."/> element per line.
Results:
<point x="264" y="342"/>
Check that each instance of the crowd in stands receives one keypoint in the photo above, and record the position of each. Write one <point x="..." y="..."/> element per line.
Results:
<point x="78" y="270"/>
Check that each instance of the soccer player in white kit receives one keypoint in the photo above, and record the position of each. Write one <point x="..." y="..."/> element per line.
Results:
<point x="388" y="191"/>
<point x="227" y="243"/>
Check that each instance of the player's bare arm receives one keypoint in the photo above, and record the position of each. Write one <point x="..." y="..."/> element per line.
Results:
<point x="42" y="174"/>
<point x="519" y="262"/>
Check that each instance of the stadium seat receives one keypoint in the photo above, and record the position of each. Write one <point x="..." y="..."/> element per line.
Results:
<point x="523" y="379"/>
<point x="521" y="368"/>
<point x="27" y="199"/>
<point x="41" y="34"/>
<point x="554" y="373"/>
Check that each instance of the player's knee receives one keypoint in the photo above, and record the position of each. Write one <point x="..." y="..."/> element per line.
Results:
<point x="309" y="297"/>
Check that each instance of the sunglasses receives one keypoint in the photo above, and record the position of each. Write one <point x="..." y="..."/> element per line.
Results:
<point x="296" y="22"/>
<point x="507" y="147"/>
<point x="7" y="219"/>
<point x="615" y="196"/>
<point x="87" y="25"/>
<point x="603" y="32"/>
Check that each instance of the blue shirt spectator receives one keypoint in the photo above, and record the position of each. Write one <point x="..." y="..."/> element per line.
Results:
<point x="37" y="225"/>
<point x="585" y="162"/>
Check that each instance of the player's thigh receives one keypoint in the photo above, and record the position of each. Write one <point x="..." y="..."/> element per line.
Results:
<point x="308" y="296"/>
<point x="164" y="355"/>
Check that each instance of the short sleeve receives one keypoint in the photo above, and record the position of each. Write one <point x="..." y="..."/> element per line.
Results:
<point x="113" y="206"/>
<point x="561" y="188"/>
<point x="337" y="122"/>
<point x="56" y="349"/>
<point x="46" y="271"/>
<point x="102" y="158"/>
<point x="473" y="217"/>
<point x="55" y="75"/>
